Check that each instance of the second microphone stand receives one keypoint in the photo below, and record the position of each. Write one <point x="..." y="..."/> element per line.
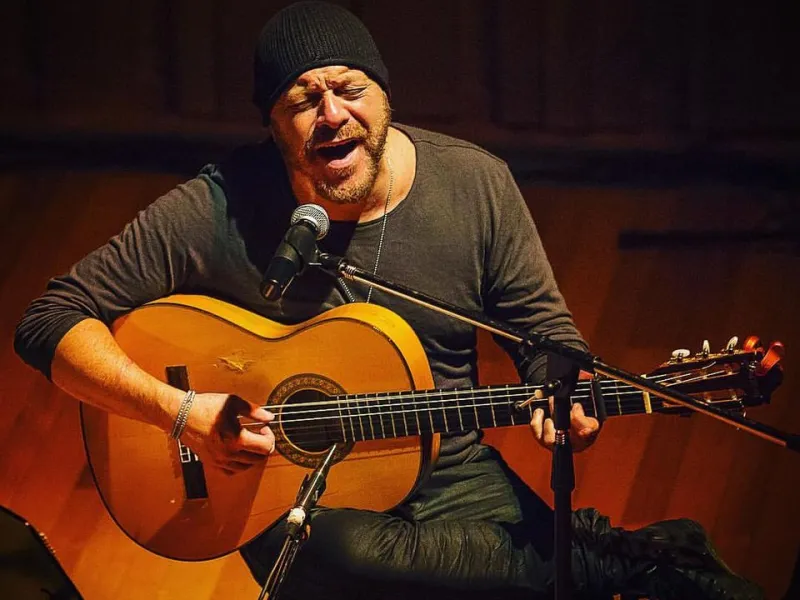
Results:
<point x="297" y="528"/>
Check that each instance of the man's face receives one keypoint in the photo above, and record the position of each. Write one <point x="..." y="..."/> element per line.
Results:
<point x="331" y="127"/>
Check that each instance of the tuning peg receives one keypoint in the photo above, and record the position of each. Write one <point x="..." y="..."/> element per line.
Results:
<point x="706" y="348"/>
<point x="679" y="354"/>
<point x="731" y="345"/>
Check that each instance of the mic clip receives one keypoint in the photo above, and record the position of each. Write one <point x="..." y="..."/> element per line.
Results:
<point x="311" y="490"/>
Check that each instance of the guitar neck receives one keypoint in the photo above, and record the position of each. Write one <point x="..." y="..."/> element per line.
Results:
<point x="360" y="417"/>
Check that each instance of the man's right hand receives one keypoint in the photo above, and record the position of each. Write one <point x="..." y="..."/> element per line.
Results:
<point x="214" y="433"/>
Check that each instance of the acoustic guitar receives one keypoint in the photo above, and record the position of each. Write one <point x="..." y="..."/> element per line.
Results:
<point x="356" y="375"/>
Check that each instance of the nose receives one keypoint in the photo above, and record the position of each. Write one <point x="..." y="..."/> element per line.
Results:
<point x="332" y="111"/>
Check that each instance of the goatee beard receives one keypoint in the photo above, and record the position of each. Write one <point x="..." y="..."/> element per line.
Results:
<point x="357" y="190"/>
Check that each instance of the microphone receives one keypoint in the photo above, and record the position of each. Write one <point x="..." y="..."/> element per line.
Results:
<point x="308" y="224"/>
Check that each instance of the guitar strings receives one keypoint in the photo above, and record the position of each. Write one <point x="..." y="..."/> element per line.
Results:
<point x="353" y="428"/>
<point x="443" y="395"/>
<point x="429" y="403"/>
<point x="432" y="397"/>
<point x="433" y="404"/>
<point x="410" y="408"/>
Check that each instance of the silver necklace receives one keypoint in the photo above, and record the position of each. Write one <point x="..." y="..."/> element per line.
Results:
<point x="380" y="240"/>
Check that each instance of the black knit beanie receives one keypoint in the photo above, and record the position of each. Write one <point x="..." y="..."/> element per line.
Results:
<point x="305" y="36"/>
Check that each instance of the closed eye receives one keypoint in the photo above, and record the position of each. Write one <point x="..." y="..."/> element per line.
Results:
<point x="352" y="91"/>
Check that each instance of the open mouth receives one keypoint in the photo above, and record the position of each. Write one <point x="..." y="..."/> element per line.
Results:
<point x="337" y="151"/>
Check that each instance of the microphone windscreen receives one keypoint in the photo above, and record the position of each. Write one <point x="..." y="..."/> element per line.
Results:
<point x="315" y="215"/>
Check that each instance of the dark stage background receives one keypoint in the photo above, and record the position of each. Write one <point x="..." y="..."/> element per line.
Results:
<point x="674" y="119"/>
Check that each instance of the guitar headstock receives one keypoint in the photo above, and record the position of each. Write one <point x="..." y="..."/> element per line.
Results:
<point x="733" y="378"/>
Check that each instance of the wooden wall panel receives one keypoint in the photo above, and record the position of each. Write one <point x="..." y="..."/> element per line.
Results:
<point x="567" y="48"/>
<point x="17" y="73"/>
<point x="192" y="59"/>
<point x="638" y="60"/>
<point x="754" y="77"/>
<point x="238" y="26"/>
<point x="420" y="43"/>
<point x="475" y="61"/>
<point x="634" y="307"/>
<point x="516" y="63"/>
<point x="602" y="74"/>
<point x="98" y="57"/>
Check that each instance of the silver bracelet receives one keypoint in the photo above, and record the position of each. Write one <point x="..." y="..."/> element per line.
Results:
<point x="183" y="415"/>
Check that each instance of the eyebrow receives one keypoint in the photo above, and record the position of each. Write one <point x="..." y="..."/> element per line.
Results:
<point x="347" y="78"/>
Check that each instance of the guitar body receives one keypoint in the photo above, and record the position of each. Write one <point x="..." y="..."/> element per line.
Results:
<point x="139" y="471"/>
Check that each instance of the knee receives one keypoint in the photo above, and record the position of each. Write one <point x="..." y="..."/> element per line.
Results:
<point x="363" y="544"/>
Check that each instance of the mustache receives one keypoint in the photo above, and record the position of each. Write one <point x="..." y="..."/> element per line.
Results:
<point x="326" y="135"/>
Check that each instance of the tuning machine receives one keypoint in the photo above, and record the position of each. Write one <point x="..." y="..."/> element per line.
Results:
<point x="680" y="355"/>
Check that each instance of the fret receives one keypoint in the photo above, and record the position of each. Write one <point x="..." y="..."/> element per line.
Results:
<point x="648" y="406"/>
<point x="483" y="406"/>
<point x="444" y="412"/>
<point x="369" y="407"/>
<point x="428" y="408"/>
<point x="399" y="406"/>
<point x="350" y="418"/>
<point x="467" y="411"/>
<point x="619" y="402"/>
<point x="386" y="411"/>
<point x="416" y="408"/>
<point x="360" y="417"/>
<point x="494" y="416"/>
<point x="453" y="412"/>
<point x="458" y="410"/>
<point x="592" y="404"/>
<point x="507" y="414"/>
<point x="475" y="409"/>
<point x="341" y="419"/>
<point x="377" y="411"/>
<point x="452" y="416"/>
<point x="402" y="407"/>
<point x="513" y="414"/>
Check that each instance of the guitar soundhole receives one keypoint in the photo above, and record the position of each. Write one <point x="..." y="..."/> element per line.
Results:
<point x="310" y="422"/>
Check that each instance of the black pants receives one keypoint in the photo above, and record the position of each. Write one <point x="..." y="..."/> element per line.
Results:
<point x="473" y="530"/>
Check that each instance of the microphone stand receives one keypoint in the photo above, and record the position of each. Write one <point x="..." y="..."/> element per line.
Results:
<point x="297" y="528"/>
<point x="563" y="475"/>
<point x="562" y="482"/>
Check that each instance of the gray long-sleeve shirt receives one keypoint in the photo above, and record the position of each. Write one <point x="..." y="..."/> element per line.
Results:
<point x="463" y="234"/>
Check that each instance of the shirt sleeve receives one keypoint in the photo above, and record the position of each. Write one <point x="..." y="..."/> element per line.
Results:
<point x="520" y="287"/>
<point x="151" y="257"/>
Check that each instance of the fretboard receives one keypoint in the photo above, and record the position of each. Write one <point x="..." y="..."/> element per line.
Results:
<point x="361" y="417"/>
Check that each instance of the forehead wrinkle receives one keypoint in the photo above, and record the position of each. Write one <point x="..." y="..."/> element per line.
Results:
<point x="320" y="80"/>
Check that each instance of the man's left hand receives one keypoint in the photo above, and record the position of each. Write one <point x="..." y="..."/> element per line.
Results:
<point x="582" y="433"/>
